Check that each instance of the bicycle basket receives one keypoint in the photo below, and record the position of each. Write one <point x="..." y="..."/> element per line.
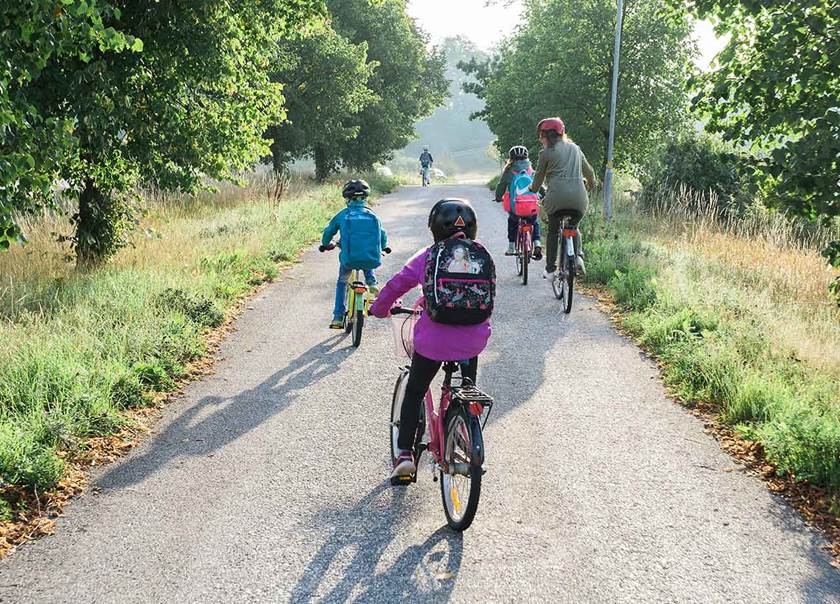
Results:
<point x="403" y="330"/>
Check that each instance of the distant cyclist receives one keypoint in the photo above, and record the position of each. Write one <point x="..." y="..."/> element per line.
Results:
<point x="563" y="168"/>
<point x="426" y="161"/>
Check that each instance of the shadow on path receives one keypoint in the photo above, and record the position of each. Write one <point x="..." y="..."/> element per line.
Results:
<point x="231" y="417"/>
<point x="363" y="532"/>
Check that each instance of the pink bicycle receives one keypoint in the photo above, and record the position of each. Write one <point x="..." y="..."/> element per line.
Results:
<point x="454" y="429"/>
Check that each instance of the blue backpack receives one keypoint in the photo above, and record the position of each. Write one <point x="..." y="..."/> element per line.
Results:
<point x="361" y="239"/>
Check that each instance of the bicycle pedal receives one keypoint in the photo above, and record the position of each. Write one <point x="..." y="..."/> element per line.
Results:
<point x="403" y="481"/>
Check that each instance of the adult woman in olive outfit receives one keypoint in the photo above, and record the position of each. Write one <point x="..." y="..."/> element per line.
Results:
<point x="567" y="176"/>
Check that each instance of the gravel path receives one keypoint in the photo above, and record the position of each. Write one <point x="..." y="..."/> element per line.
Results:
<point x="266" y="481"/>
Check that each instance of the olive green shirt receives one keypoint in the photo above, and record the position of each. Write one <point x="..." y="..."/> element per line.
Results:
<point x="562" y="169"/>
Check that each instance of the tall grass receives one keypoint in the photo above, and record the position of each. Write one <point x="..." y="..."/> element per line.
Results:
<point x="738" y="311"/>
<point x="80" y="348"/>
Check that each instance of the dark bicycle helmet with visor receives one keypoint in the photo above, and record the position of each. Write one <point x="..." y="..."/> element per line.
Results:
<point x="451" y="216"/>
<point x="355" y="188"/>
<point x="518" y="152"/>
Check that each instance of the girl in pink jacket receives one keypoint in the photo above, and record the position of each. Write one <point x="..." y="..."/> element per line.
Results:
<point x="434" y="342"/>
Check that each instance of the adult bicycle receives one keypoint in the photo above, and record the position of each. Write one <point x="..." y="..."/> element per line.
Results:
<point x="450" y="433"/>
<point x="563" y="281"/>
<point x="357" y="300"/>
<point x="425" y="175"/>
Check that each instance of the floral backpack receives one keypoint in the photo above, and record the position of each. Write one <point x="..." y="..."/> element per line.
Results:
<point x="460" y="282"/>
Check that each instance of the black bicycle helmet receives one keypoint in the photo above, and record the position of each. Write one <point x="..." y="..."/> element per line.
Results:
<point x="518" y="152"/>
<point x="450" y="216"/>
<point x="355" y="188"/>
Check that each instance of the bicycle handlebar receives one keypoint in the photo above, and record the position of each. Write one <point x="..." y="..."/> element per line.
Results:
<point x="399" y="310"/>
<point x="326" y="248"/>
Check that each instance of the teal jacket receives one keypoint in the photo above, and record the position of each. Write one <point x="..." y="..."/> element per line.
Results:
<point x="339" y="225"/>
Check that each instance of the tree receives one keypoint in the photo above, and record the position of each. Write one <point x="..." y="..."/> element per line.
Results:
<point x="192" y="99"/>
<point x="775" y="92"/>
<point x="35" y="144"/>
<point x="325" y="84"/>
<point x="408" y="79"/>
<point x="560" y="63"/>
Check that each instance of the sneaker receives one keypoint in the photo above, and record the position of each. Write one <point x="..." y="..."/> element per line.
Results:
<point x="537" y="253"/>
<point x="581" y="267"/>
<point x="548" y="274"/>
<point x="337" y="324"/>
<point x="511" y="251"/>
<point x="404" y="465"/>
<point x="374" y="290"/>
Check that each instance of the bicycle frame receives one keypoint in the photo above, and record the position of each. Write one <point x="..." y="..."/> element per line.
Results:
<point x="524" y="236"/>
<point x="357" y="293"/>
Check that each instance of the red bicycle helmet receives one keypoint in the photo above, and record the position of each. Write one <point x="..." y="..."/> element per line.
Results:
<point x="552" y="123"/>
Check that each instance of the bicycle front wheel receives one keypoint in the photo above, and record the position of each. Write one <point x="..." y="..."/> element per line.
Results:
<point x="460" y="486"/>
<point x="396" y="411"/>
<point x="350" y="304"/>
<point x="558" y="284"/>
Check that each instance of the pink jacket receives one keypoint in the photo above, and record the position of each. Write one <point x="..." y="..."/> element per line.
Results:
<point x="434" y="341"/>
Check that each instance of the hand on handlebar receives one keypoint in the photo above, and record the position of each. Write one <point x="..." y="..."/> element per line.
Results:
<point x="387" y="250"/>
<point x="326" y="248"/>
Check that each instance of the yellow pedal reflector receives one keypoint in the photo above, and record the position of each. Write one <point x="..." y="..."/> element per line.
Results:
<point x="453" y="493"/>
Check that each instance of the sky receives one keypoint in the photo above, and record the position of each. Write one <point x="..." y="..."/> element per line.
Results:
<point x="485" y="25"/>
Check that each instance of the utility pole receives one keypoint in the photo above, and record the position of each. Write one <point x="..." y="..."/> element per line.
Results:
<point x="608" y="175"/>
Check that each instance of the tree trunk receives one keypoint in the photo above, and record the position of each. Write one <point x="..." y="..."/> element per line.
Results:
<point x="322" y="164"/>
<point x="88" y="222"/>
<point x="279" y="167"/>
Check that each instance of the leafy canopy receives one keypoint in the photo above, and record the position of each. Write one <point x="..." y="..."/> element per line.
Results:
<point x="324" y="79"/>
<point x="560" y="63"/>
<point x="36" y="36"/>
<point x="163" y="92"/>
<point x="775" y="91"/>
<point x="408" y="79"/>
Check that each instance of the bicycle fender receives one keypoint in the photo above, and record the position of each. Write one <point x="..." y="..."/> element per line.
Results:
<point x="477" y="440"/>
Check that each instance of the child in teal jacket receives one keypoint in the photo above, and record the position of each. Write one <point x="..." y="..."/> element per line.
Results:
<point x="362" y="242"/>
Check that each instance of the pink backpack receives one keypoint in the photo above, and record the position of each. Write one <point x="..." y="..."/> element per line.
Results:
<point x="518" y="199"/>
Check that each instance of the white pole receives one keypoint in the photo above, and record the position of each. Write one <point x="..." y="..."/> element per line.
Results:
<point x="608" y="175"/>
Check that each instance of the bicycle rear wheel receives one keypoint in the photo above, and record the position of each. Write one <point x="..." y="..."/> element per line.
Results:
<point x="460" y="487"/>
<point x="358" y="325"/>
<point x="570" y="283"/>
<point x="526" y="260"/>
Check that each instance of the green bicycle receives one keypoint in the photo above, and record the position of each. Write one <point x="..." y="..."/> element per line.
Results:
<point x="357" y="301"/>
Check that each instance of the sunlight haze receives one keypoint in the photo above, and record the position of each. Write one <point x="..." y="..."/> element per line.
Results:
<point x="486" y="25"/>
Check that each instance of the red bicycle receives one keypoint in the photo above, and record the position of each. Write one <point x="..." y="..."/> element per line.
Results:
<point x="524" y="248"/>
<point x="454" y="429"/>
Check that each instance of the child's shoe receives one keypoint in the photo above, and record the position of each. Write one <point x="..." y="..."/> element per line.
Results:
<point x="404" y="465"/>
<point x="337" y="324"/>
<point x="511" y="251"/>
<point x="537" y="253"/>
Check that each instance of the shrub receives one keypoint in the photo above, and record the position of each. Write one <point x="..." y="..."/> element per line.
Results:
<point x="702" y="164"/>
